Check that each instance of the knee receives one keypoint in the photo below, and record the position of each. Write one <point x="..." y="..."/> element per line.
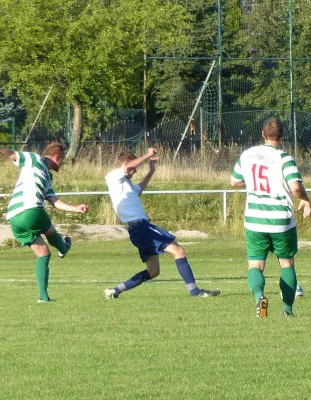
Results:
<point x="46" y="255"/>
<point x="180" y="252"/>
<point x="154" y="274"/>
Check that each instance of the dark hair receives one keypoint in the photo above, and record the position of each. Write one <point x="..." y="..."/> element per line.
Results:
<point x="273" y="128"/>
<point x="123" y="157"/>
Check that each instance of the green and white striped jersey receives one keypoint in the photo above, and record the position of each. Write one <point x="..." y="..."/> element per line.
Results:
<point x="34" y="184"/>
<point x="267" y="172"/>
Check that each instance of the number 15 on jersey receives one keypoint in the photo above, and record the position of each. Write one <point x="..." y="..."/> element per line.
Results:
<point x="260" y="178"/>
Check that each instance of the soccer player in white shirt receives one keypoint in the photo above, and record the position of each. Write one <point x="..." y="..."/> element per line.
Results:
<point x="271" y="177"/>
<point x="26" y="212"/>
<point x="151" y="240"/>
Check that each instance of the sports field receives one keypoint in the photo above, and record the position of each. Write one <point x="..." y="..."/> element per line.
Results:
<point x="154" y="342"/>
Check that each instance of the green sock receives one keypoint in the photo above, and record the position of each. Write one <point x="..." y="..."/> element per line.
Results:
<point x="288" y="285"/>
<point x="47" y="278"/>
<point x="256" y="282"/>
<point x="42" y="275"/>
<point x="56" y="240"/>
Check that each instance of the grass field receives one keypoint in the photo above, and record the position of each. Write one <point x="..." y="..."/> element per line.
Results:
<point x="154" y="342"/>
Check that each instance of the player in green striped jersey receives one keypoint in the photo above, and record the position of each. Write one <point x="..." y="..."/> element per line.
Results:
<point x="271" y="178"/>
<point x="26" y="212"/>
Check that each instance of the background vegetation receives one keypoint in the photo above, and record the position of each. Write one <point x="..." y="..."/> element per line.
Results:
<point x="172" y="211"/>
<point x="94" y="55"/>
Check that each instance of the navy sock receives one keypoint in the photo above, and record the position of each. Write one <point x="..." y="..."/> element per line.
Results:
<point x="186" y="273"/>
<point x="136" y="280"/>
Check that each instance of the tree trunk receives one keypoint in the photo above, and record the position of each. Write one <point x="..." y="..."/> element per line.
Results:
<point x="76" y="133"/>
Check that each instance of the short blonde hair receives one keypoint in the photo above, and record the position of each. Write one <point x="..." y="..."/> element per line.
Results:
<point x="123" y="157"/>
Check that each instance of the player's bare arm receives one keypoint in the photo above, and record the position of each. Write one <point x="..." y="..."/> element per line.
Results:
<point x="299" y="191"/>
<point x="235" y="183"/>
<point x="140" y="160"/>
<point x="9" y="154"/>
<point x="152" y="167"/>
<point x="61" y="205"/>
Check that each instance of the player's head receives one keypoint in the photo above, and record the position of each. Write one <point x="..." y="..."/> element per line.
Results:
<point x="123" y="158"/>
<point x="56" y="153"/>
<point x="273" y="129"/>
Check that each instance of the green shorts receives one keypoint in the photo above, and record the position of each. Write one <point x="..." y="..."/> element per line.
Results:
<point x="283" y="245"/>
<point x="29" y="224"/>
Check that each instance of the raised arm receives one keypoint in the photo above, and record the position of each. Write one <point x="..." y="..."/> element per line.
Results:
<point x="144" y="183"/>
<point x="138" y="161"/>
<point x="9" y="154"/>
<point x="61" y="205"/>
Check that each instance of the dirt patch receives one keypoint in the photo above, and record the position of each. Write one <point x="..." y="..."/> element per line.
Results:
<point x="99" y="232"/>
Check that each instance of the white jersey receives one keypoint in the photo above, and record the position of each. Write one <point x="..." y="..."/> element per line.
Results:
<point x="34" y="184"/>
<point x="267" y="172"/>
<point x="124" y="196"/>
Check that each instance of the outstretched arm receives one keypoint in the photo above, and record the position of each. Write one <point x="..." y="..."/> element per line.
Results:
<point x="9" y="154"/>
<point x="144" y="183"/>
<point x="61" y="205"/>
<point x="138" y="161"/>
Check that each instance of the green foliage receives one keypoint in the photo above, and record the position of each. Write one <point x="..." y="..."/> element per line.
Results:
<point x="266" y="30"/>
<point x="85" y="51"/>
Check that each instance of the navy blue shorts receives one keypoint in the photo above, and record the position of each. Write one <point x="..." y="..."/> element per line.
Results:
<point x="148" y="238"/>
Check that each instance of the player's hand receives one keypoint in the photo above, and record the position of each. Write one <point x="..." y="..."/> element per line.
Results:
<point x="152" y="152"/>
<point x="305" y="207"/>
<point x="82" y="208"/>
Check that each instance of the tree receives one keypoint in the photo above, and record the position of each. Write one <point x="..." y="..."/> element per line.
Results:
<point x="91" y="54"/>
<point x="267" y="31"/>
<point x="169" y="77"/>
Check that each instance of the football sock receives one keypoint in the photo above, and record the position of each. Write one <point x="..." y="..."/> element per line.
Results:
<point x="186" y="273"/>
<point x="288" y="285"/>
<point x="256" y="282"/>
<point x="136" y="280"/>
<point x="56" y="240"/>
<point x="47" y="275"/>
<point x="42" y="275"/>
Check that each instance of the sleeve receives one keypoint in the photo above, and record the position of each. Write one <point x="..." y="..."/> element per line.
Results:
<point x="290" y="170"/>
<point x="50" y="192"/>
<point x="115" y="176"/>
<point x="237" y="174"/>
<point x="25" y="159"/>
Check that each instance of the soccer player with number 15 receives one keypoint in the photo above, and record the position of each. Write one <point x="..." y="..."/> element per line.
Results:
<point x="271" y="178"/>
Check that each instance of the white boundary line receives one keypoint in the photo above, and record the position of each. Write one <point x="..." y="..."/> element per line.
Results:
<point x="154" y="281"/>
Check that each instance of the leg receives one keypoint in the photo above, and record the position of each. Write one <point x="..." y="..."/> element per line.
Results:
<point x="288" y="284"/>
<point x="185" y="270"/>
<point x="256" y="279"/>
<point x="256" y="283"/>
<point x="152" y="270"/>
<point x="258" y="245"/>
<point x="286" y="246"/>
<point x="55" y="240"/>
<point x="43" y="254"/>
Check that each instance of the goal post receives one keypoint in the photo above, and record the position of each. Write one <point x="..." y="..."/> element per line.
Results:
<point x="194" y="108"/>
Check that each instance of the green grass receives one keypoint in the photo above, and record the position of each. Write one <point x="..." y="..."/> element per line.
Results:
<point x="155" y="342"/>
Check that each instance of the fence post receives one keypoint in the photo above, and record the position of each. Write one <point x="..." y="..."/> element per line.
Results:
<point x="224" y="206"/>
